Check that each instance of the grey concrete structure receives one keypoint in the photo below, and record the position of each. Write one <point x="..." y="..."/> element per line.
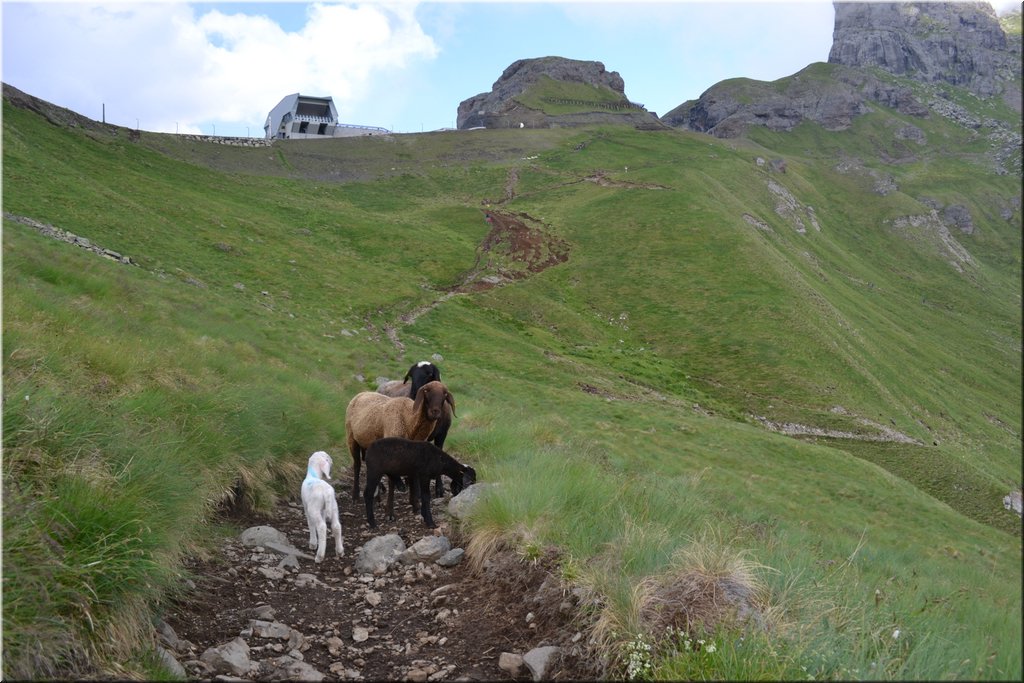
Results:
<point x="306" y="117"/>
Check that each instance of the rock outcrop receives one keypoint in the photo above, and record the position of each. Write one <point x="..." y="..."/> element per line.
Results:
<point x="829" y="95"/>
<point x="960" y="43"/>
<point x="499" y="108"/>
<point x="954" y="43"/>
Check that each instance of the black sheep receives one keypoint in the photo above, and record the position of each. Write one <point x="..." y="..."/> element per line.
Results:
<point x="420" y="373"/>
<point x="419" y="462"/>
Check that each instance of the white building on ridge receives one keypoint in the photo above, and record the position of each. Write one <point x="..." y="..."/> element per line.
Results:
<point x="302" y="117"/>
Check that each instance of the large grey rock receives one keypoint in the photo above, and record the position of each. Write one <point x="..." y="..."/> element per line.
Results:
<point x="230" y="658"/>
<point x="269" y="629"/>
<point x="262" y="612"/>
<point x="167" y="635"/>
<point x="451" y="558"/>
<point x="460" y="505"/>
<point x="272" y="573"/>
<point x="171" y="663"/>
<point x="539" y="659"/>
<point x="290" y="669"/>
<point x="288" y="550"/>
<point x="379" y="552"/>
<point x="427" y="549"/>
<point x="1014" y="501"/>
<point x="262" y="535"/>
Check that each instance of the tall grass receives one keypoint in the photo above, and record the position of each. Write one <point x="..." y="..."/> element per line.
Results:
<point x="613" y="399"/>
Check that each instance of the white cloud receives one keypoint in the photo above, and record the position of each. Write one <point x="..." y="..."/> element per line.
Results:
<point x="167" y="68"/>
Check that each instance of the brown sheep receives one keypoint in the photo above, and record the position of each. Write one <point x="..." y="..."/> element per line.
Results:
<point x="420" y="373"/>
<point x="371" y="416"/>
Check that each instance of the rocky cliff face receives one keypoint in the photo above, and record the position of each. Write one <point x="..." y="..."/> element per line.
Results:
<point x="828" y="95"/>
<point x="498" y="108"/>
<point x="960" y="43"/>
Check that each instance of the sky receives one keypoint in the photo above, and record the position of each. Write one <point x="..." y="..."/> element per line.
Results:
<point x="218" y="68"/>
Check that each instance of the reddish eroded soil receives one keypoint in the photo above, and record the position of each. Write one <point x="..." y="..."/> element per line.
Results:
<point x="516" y="247"/>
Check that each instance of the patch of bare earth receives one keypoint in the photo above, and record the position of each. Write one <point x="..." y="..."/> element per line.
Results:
<point x="516" y="247"/>
<point x="428" y="623"/>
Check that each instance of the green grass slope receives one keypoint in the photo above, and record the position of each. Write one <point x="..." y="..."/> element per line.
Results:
<point x="628" y="400"/>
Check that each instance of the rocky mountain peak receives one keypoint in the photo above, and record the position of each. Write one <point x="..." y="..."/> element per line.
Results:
<point x="523" y="72"/>
<point x="936" y="43"/>
<point x="498" y="108"/>
<point x="960" y="43"/>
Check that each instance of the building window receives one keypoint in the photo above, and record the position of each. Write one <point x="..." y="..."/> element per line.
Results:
<point x="303" y="126"/>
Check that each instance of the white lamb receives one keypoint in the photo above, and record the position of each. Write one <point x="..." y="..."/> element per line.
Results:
<point x="321" y="505"/>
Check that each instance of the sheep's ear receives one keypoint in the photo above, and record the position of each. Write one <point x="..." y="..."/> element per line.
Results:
<point x="417" y="405"/>
<point x="450" y="400"/>
<point x="408" y="375"/>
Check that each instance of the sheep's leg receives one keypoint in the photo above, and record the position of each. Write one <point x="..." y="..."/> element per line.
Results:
<point x="413" y="489"/>
<point x="438" y="437"/>
<point x="371" y="487"/>
<point x="339" y="544"/>
<point x="391" y="498"/>
<point x="321" y="538"/>
<point x="428" y="519"/>
<point x="311" y="522"/>
<point x="357" y="456"/>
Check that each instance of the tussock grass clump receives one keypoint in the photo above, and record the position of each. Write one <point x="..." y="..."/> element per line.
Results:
<point x="709" y="585"/>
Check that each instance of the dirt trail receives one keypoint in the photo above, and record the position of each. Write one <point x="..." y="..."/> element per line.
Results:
<point x="516" y="247"/>
<point x="417" y="629"/>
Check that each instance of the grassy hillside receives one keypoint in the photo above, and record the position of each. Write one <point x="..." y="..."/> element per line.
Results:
<point x="629" y="400"/>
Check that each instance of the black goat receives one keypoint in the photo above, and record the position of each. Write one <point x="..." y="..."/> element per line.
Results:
<point x="419" y="462"/>
<point x="421" y="373"/>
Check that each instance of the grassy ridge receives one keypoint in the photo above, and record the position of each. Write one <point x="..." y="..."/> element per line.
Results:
<point x="138" y="399"/>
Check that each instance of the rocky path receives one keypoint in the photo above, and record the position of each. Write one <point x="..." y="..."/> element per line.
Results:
<point x="262" y="611"/>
